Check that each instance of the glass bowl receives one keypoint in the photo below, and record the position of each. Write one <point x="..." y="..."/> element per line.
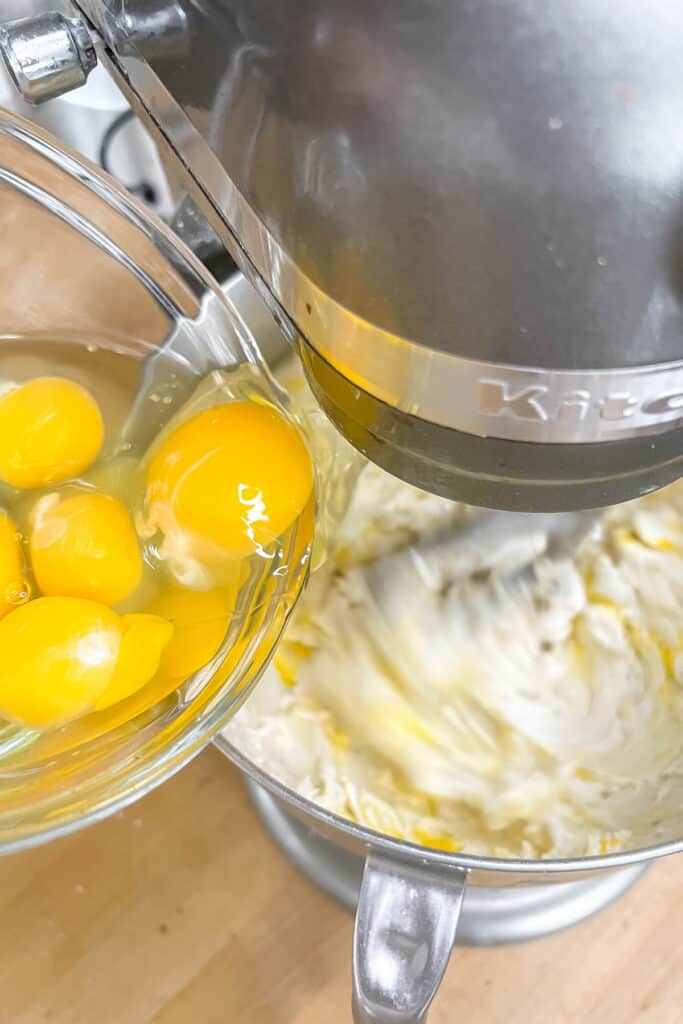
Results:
<point x="83" y="261"/>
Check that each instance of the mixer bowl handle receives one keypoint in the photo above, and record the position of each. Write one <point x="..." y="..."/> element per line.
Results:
<point x="406" y="922"/>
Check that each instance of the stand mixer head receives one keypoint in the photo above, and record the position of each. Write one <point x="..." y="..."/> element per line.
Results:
<point x="468" y="215"/>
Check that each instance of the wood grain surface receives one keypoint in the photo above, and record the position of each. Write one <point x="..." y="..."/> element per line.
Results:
<point x="180" y="911"/>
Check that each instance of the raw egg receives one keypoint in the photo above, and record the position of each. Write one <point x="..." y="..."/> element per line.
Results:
<point x="50" y="429"/>
<point x="143" y="640"/>
<point x="85" y="546"/>
<point x="233" y="477"/>
<point x="200" y="619"/>
<point x="58" y="656"/>
<point x="167" y="540"/>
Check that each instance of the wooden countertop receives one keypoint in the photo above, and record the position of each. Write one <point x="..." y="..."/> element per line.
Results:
<point x="180" y="911"/>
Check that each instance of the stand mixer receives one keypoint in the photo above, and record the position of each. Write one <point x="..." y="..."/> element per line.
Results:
<point x="469" y="214"/>
<point x="467" y="217"/>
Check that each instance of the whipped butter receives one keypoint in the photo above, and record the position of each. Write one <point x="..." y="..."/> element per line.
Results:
<point x="532" y="713"/>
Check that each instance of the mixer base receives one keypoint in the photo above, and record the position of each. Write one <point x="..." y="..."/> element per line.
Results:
<point x="489" y="917"/>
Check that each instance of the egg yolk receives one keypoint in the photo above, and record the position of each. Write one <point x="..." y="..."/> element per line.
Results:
<point x="14" y="587"/>
<point x="85" y="546"/>
<point x="143" y="640"/>
<point x="200" y="619"/>
<point x="58" y="656"/>
<point x="50" y="429"/>
<point x="235" y="477"/>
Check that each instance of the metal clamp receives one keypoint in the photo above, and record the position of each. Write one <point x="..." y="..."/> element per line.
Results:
<point x="47" y="55"/>
<point x="50" y="54"/>
<point x="405" y="929"/>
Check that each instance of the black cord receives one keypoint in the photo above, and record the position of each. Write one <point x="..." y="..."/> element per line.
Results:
<point x="142" y="188"/>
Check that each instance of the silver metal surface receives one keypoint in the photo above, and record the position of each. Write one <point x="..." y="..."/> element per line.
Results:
<point x="490" y="915"/>
<point x="405" y="928"/>
<point x="47" y="55"/>
<point x="454" y="203"/>
<point x="470" y="216"/>
<point x="156" y="28"/>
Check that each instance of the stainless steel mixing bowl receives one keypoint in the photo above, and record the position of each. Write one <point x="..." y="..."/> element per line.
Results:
<point x="414" y="903"/>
